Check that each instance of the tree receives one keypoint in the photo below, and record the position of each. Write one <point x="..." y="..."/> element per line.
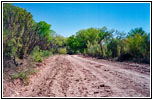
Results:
<point x="17" y="24"/>
<point x="104" y="34"/>
<point x="139" y="43"/>
<point x="73" y="44"/>
<point x="57" y="42"/>
<point x="22" y="33"/>
<point x="85" y="35"/>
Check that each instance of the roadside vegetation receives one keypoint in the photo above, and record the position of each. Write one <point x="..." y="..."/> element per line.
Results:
<point x="23" y="37"/>
<point x="104" y="43"/>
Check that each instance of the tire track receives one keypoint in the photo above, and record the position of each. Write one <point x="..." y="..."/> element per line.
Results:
<point x="122" y="83"/>
<point x="73" y="76"/>
<point x="95" y="86"/>
<point x="39" y="83"/>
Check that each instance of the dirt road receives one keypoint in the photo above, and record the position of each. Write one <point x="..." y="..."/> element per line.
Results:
<point x="77" y="76"/>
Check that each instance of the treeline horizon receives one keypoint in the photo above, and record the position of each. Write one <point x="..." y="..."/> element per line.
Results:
<point x="23" y="37"/>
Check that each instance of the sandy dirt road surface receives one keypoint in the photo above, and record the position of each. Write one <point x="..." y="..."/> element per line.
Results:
<point x="78" y="76"/>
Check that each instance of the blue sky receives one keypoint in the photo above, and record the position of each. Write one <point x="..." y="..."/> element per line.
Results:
<point x="67" y="18"/>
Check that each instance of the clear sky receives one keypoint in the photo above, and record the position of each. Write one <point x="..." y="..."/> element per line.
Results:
<point x="67" y="18"/>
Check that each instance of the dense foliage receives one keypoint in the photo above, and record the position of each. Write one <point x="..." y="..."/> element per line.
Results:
<point x="105" y="43"/>
<point x="22" y="36"/>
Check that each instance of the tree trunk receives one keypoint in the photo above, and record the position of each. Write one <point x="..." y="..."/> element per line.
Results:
<point x="101" y="50"/>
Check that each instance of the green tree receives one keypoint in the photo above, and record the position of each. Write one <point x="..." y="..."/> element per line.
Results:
<point x="17" y="24"/>
<point x="103" y="35"/>
<point x="139" y="43"/>
<point x="57" y="42"/>
<point x="21" y="33"/>
<point x="85" y="35"/>
<point x="73" y="44"/>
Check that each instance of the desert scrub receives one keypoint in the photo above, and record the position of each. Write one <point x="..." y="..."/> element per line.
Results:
<point x="24" y="75"/>
<point x="62" y="51"/>
<point x="36" y="55"/>
<point x="46" y="53"/>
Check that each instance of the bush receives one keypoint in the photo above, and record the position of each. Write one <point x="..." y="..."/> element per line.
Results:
<point x="106" y="52"/>
<point x="137" y="46"/>
<point x="46" y="53"/>
<point x="21" y="75"/>
<point x="37" y="55"/>
<point x="138" y="42"/>
<point x="62" y="51"/>
<point x="94" y="50"/>
<point x="53" y="50"/>
<point x="24" y="75"/>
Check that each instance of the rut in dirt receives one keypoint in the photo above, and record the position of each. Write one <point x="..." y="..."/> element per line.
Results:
<point x="76" y="76"/>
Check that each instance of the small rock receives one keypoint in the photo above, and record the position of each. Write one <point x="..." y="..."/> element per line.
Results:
<point x="102" y="85"/>
<point x="96" y="92"/>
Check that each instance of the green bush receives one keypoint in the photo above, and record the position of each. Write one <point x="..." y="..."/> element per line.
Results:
<point x="53" y="50"/>
<point x="93" y="50"/>
<point x="24" y="75"/>
<point x="46" y="53"/>
<point x="21" y="75"/>
<point x="138" y="42"/>
<point x="137" y="46"/>
<point x="62" y="51"/>
<point x="37" y="55"/>
<point x="105" y="52"/>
